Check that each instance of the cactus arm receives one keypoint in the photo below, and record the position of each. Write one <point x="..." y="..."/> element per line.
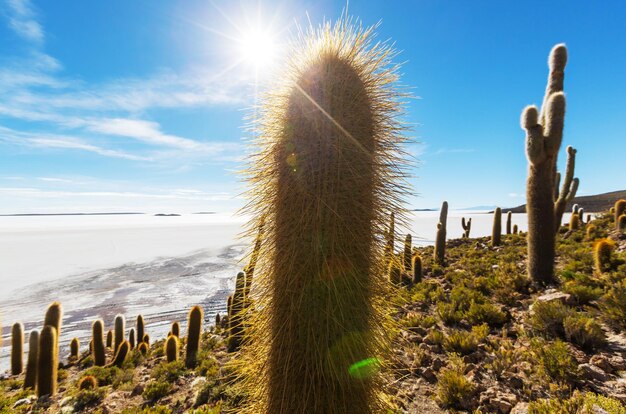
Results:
<point x="557" y="182"/>
<point x="556" y="63"/>
<point x="535" y="150"/>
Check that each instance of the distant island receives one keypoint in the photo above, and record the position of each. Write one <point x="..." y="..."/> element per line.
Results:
<point x="66" y="214"/>
<point x="592" y="203"/>
<point x="167" y="215"/>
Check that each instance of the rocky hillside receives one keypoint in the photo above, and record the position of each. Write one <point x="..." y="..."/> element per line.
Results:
<point x="592" y="203"/>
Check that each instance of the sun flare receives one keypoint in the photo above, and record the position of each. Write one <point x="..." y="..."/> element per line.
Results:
<point x="259" y="48"/>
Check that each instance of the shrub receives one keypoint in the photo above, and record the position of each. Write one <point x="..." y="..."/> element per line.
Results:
<point x="485" y="313"/>
<point x="556" y="361"/>
<point x="465" y="342"/>
<point x="547" y="318"/>
<point x="454" y="390"/>
<point x="168" y="371"/>
<point x="103" y="375"/>
<point x="584" y="331"/>
<point x="582" y="292"/>
<point x="155" y="390"/>
<point x="613" y="306"/>
<point x="87" y="397"/>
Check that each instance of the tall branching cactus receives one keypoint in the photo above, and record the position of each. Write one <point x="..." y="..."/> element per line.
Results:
<point x="324" y="180"/>
<point x="496" y="228"/>
<point x="440" y="238"/>
<point x="467" y="227"/>
<point x="30" y="378"/>
<point x="568" y="190"/>
<point x="17" y="348"/>
<point x="544" y="132"/>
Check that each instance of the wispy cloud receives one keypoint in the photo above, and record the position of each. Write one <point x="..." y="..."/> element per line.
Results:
<point x="453" y="151"/>
<point x="33" y="192"/>
<point x="22" y="20"/>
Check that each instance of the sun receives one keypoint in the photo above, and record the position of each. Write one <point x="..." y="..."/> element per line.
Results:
<point x="258" y="48"/>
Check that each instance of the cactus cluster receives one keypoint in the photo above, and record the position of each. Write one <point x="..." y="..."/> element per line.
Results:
<point x="440" y="238"/>
<point x="618" y="210"/>
<point x="544" y="133"/>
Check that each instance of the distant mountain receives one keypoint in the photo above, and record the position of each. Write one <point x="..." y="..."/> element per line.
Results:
<point x="592" y="203"/>
<point x="488" y="208"/>
<point x="66" y="214"/>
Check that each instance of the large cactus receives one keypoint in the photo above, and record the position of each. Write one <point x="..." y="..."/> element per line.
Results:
<point x="30" y="378"/>
<point x="440" y="238"/>
<point x="407" y="253"/>
<point x="118" y="335"/>
<point x="17" y="348"/>
<point x="140" y="329"/>
<point x="54" y="317"/>
<point x="325" y="179"/>
<point x="194" y="332"/>
<point x="97" y="338"/>
<point x="47" y="362"/>
<point x="496" y="228"/>
<point x="544" y="133"/>
<point x="568" y="190"/>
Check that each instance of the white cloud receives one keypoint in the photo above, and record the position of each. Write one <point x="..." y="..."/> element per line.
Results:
<point x="22" y="20"/>
<point x="72" y="143"/>
<point x="32" y="192"/>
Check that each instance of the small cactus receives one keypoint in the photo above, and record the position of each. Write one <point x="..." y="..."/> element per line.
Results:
<point x="575" y="209"/>
<point x="394" y="272"/>
<point x="88" y="382"/>
<point x="588" y="220"/>
<point x="118" y="336"/>
<point x="131" y="338"/>
<point x="417" y="268"/>
<point x="30" y="378"/>
<point x="146" y="339"/>
<point x="97" y="329"/>
<point x="171" y="348"/>
<point x="140" y="329"/>
<point x="509" y="216"/>
<point x="120" y="355"/>
<point x="621" y="223"/>
<point x="194" y="332"/>
<point x="602" y="251"/>
<point x="467" y="226"/>
<point x="574" y="222"/>
<point x="515" y="229"/>
<point x="217" y="319"/>
<point x="143" y="348"/>
<point x="618" y="210"/>
<point x="110" y="339"/>
<point x="407" y="252"/>
<point x="17" y="349"/>
<point x="568" y="190"/>
<point x="581" y="213"/>
<point x="496" y="230"/>
<point x="47" y="362"/>
<point x="175" y="329"/>
<point x="74" y="348"/>
<point x="590" y="232"/>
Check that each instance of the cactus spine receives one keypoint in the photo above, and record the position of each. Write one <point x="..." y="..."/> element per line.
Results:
<point x="140" y="329"/>
<point x="171" y="348"/>
<point x="467" y="226"/>
<point x="568" y="191"/>
<point x="544" y="133"/>
<point x="17" y="348"/>
<point x="407" y="253"/>
<point x="97" y="330"/>
<point x="324" y="183"/>
<point x="417" y="268"/>
<point x="30" y="378"/>
<point x="74" y="348"/>
<point x="602" y="251"/>
<point x="618" y="210"/>
<point x="118" y="336"/>
<point x="509" y="216"/>
<point x="194" y="331"/>
<point x="440" y="239"/>
<point x="496" y="229"/>
<point x="88" y="382"/>
<point x="47" y="362"/>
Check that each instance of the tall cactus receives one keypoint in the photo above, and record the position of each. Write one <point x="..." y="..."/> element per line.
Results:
<point x="544" y="133"/>
<point x="120" y="355"/>
<point x="440" y="239"/>
<point x="194" y="331"/>
<point x="496" y="228"/>
<point x="569" y="188"/>
<point x="390" y="237"/>
<point x="140" y="329"/>
<point x="324" y="181"/>
<point x="417" y="269"/>
<point x="407" y="253"/>
<point x="47" y="362"/>
<point x="467" y="226"/>
<point x="17" y="348"/>
<point x="618" y="210"/>
<point x="509" y="216"/>
<point x="97" y="340"/>
<point x="171" y="348"/>
<point x="30" y="378"/>
<point x="118" y="335"/>
<point x="74" y="348"/>
<point x="54" y="317"/>
<point x="236" y="315"/>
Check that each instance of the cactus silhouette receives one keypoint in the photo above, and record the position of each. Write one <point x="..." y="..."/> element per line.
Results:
<point x="509" y="216"/>
<point x="171" y="348"/>
<point x="568" y="190"/>
<point x="440" y="239"/>
<point x="407" y="253"/>
<point x="143" y="348"/>
<point x="88" y="382"/>
<point x="618" y="210"/>
<point x="110" y="339"/>
<point x="54" y="317"/>
<point x="467" y="226"/>
<point x="118" y="335"/>
<point x="74" y="348"/>
<point x="417" y="268"/>
<point x="602" y="251"/>
<point x="120" y="355"/>
<point x="97" y="330"/>
<point x="131" y="338"/>
<point x="47" y="362"/>
<point x="194" y="331"/>
<point x="496" y="229"/>
<point x="17" y="348"/>
<point x="544" y="133"/>
<point x="140" y="329"/>
<point x="324" y="181"/>
<point x="30" y="378"/>
<point x="236" y="315"/>
<point x="146" y="339"/>
<point x="175" y="329"/>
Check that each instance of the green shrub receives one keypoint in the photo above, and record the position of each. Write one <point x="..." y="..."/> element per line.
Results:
<point x="613" y="306"/>
<point x="104" y="375"/>
<point x="578" y="403"/>
<point x="547" y="318"/>
<point x="582" y="292"/>
<point x="156" y="390"/>
<point x="584" y="331"/>
<point x="168" y="371"/>
<point x="465" y="342"/>
<point x="555" y="361"/>
<point x="454" y="390"/>
<point x="87" y="398"/>
<point x="489" y="313"/>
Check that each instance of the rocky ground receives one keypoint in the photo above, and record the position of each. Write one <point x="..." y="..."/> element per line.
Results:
<point x="473" y="336"/>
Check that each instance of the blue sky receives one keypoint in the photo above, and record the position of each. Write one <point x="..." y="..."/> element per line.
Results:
<point x="140" y="105"/>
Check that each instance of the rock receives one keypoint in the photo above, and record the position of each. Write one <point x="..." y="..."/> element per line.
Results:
<point x="502" y="406"/>
<point x="138" y="390"/>
<point x="66" y="401"/>
<point x="67" y="410"/>
<point x="515" y="382"/>
<point x="564" y="298"/>
<point x="429" y="375"/>
<point x="22" y="401"/>
<point x="199" y="381"/>
<point x="618" y="363"/>
<point x="520" y="408"/>
<point x="597" y="410"/>
<point x="592" y="372"/>
<point x="601" y="362"/>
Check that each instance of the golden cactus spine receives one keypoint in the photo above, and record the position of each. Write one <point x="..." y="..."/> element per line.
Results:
<point x="97" y="338"/>
<point x="88" y="382"/>
<point x="74" y="348"/>
<point x="568" y="190"/>
<point x="17" y="348"/>
<point x="324" y="179"/>
<point x="194" y="332"/>
<point x="171" y="348"/>
<point x="30" y="378"/>
<point x="440" y="238"/>
<point x="417" y="268"/>
<point x="602" y="251"/>
<point x="618" y="210"/>
<point x="47" y="362"/>
<point x="496" y="229"/>
<point x="544" y="133"/>
<point x="118" y="335"/>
